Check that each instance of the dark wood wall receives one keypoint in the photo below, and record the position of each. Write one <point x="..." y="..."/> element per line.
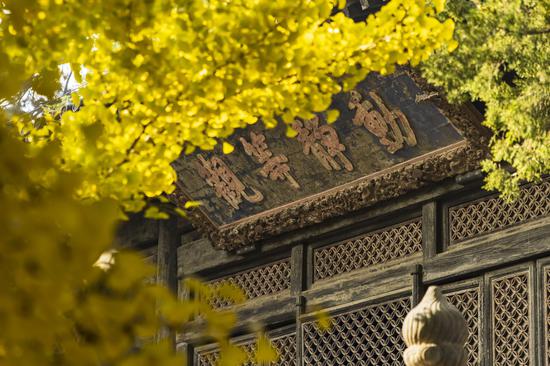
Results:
<point x="491" y="258"/>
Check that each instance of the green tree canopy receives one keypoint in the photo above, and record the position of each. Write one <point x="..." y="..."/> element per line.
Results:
<point x="503" y="61"/>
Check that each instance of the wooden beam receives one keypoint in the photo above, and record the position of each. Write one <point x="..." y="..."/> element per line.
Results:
<point x="430" y="229"/>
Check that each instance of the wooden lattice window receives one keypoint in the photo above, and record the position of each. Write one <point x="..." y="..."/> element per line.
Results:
<point x="468" y="302"/>
<point x="368" y="336"/>
<point x="492" y="213"/>
<point x="382" y="246"/>
<point x="511" y="319"/>
<point x="260" y="281"/>
<point x="285" y="345"/>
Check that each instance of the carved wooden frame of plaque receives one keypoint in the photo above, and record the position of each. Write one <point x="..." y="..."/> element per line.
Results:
<point x="388" y="183"/>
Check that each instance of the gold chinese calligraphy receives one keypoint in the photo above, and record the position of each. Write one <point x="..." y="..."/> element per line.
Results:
<point x="390" y="126"/>
<point x="322" y="142"/>
<point x="225" y="183"/>
<point x="274" y="167"/>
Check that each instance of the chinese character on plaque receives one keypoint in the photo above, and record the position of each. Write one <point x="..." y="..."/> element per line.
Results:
<point x="323" y="143"/>
<point x="274" y="167"/>
<point x="390" y="126"/>
<point x="225" y="183"/>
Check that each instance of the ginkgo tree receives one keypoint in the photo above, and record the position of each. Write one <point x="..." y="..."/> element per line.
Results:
<point x="59" y="305"/>
<point x="164" y="76"/>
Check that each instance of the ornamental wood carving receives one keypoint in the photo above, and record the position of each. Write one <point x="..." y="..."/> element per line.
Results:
<point x="387" y="141"/>
<point x="225" y="183"/>
<point x="274" y="167"/>
<point x="366" y="336"/>
<point x="323" y="143"/>
<point x="391" y="127"/>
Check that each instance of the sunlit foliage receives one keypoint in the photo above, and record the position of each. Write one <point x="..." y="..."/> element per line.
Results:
<point x="56" y="306"/>
<point x="167" y="75"/>
<point x="503" y="60"/>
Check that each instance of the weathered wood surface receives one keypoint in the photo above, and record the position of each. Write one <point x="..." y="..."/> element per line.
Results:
<point x="430" y="229"/>
<point x="199" y="257"/>
<point x="360" y="219"/>
<point x="361" y="285"/>
<point x="137" y="233"/>
<point x="360" y="151"/>
<point x="521" y="242"/>
<point x="168" y="242"/>
<point x="198" y="254"/>
<point x="273" y="311"/>
<point x="470" y="264"/>
<point x="496" y="250"/>
<point x="167" y="272"/>
<point x="542" y="301"/>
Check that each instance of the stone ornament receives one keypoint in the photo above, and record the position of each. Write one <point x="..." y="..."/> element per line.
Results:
<point x="435" y="332"/>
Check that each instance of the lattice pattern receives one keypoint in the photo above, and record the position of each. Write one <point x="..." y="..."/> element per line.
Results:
<point x="490" y="214"/>
<point x="285" y="345"/>
<point x="378" y="247"/>
<point x="260" y="281"/>
<point x="468" y="303"/>
<point x="510" y="296"/>
<point x="369" y="336"/>
<point x="547" y="313"/>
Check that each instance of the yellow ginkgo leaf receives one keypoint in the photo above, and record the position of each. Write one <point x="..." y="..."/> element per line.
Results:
<point x="153" y="212"/>
<point x="197" y="288"/>
<point x="266" y="353"/>
<point x="439" y="5"/>
<point x="231" y="292"/>
<point x="220" y="324"/>
<point x="290" y="132"/>
<point x="227" y="148"/>
<point x="332" y="115"/>
<point x="180" y="212"/>
<point x="324" y="321"/>
<point x="191" y="204"/>
<point x="189" y="149"/>
<point x="231" y="355"/>
<point x="452" y="45"/>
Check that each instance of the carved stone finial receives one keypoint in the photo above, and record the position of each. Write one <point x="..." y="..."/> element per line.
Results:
<point x="435" y="332"/>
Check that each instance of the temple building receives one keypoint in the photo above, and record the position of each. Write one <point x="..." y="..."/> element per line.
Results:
<point x="357" y="218"/>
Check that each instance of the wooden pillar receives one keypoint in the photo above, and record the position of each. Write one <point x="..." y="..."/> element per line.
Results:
<point x="167" y="262"/>
<point x="300" y="308"/>
<point x="187" y="350"/>
<point x="417" y="284"/>
<point x="298" y="284"/>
